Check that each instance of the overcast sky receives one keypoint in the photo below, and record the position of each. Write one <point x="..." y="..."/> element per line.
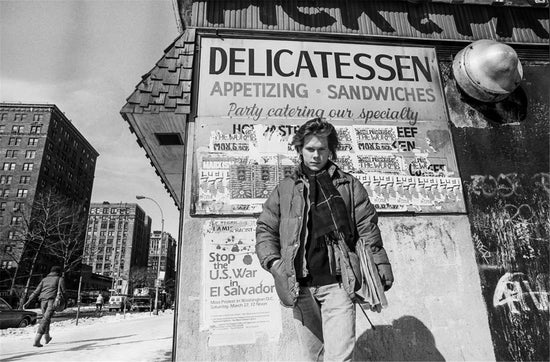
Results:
<point x="86" y="57"/>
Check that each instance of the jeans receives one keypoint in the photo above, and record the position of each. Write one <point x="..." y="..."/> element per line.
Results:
<point x="325" y="321"/>
<point x="47" y="313"/>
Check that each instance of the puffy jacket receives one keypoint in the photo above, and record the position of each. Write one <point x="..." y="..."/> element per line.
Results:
<point x="47" y="289"/>
<point x="280" y="228"/>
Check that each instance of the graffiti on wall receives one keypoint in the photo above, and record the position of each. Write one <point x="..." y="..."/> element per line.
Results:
<point x="504" y="162"/>
<point x="509" y="215"/>
<point x="515" y="291"/>
<point x="512" y="219"/>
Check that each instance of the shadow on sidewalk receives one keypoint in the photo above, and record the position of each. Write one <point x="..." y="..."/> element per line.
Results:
<point x="167" y="357"/>
<point x="407" y="339"/>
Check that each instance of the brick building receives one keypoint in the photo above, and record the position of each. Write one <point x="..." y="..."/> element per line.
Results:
<point x="41" y="152"/>
<point x="117" y="242"/>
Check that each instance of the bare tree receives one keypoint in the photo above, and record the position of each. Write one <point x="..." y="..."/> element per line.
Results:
<point x="13" y="253"/>
<point x="53" y="227"/>
<point x="138" y="277"/>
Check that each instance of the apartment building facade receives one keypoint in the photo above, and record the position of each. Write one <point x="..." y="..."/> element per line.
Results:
<point x="117" y="242"/>
<point x="165" y="251"/>
<point x="41" y="152"/>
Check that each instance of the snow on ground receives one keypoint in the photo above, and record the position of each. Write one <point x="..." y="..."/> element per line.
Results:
<point x="134" y="337"/>
<point x="82" y="321"/>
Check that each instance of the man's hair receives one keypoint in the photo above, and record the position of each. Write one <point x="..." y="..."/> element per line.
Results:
<point x="317" y="127"/>
<point x="55" y="269"/>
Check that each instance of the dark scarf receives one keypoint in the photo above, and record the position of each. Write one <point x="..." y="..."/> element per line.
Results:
<point x="328" y="222"/>
<point x="329" y="216"/>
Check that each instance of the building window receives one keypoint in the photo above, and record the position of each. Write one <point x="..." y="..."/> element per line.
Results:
<point x="33" y="141"/>
<point x="17" y="206"/>
<point x="5" y="179"/>
<point x="11" y="235"/>
<point x="11" y="153"/>
<point x="4" y="117"/>
<point x="38" y="118"/>
<point x="16" y="220"/>
<point x="22" y="193"/>
<point x="20" y="117"/>
<point x="27" y="166"/>
<point x="4" y="264"/>
<point x="2" y="128"/>
<point x="36" y="129"/>
<point x="24" y="179"/>
<point x="30" y="154"/>
<point x="14" y="141"/>
<point x="3" y="206"/>
<point x="17" y="129"/>
<point x="8" y="248"/>
<point x="5" y="193"/>
<point x="9" y="166"/>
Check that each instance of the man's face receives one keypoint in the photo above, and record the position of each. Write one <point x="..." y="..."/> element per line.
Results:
<point x="315" y="152"/>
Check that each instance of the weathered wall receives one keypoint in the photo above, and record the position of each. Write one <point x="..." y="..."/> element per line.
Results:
<point x="503" y="152"/>
<point x="436" y="309"/>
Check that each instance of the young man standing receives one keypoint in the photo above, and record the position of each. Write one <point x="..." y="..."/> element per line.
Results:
<point x="306" y="218"/>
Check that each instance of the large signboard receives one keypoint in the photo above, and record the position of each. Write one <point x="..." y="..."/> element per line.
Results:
<point x="266" y="79"/>
<point x="387" y="103"/>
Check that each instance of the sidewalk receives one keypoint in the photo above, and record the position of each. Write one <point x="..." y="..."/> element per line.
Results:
<point x="138" y="337"/>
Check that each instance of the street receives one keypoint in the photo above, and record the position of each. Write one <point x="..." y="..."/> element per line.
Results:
<point x="134" y="337"/>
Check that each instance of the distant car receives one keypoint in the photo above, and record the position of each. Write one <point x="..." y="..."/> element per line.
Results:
<point x="118" y="303"/>
<point x="15" y="318"/>
<point x="141" y="303"/>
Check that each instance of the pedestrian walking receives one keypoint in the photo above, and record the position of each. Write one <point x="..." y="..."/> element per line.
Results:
<point x="48" y="291"/>
<point x="306" y="237"/>
<point x="99" y="303"/>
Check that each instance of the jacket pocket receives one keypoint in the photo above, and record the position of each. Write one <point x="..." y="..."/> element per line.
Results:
<point x="282" y="287"/>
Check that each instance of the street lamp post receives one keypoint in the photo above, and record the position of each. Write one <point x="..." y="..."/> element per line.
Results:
<point x="157" y="281"/>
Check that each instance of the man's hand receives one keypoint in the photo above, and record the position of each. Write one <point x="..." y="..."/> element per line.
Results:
<point x="386" y="275"/>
